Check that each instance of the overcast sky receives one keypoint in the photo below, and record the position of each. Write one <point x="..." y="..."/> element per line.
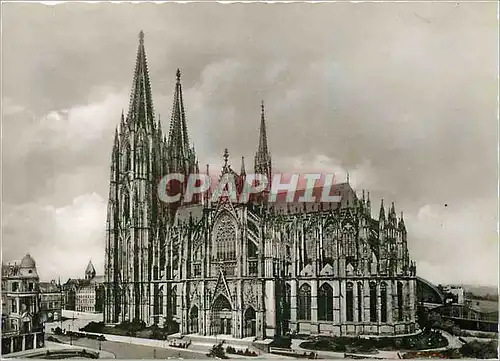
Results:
<point x="401" y="95"/>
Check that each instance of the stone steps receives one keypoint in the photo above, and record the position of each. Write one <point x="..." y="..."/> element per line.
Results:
<point x="212" y="340"/>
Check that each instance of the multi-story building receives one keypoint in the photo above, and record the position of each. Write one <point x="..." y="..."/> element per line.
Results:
<point x="85" y="295"/>
<point x="257" y="268"/>
<point x="22" y="328"/>
<point x="69" y="294"/>
<point x="454" y="294"/>
<point x="51" y="300"/>
<point x="90" y="292"/>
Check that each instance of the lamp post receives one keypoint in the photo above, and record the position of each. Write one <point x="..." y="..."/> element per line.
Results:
<point x="71" y="333"/>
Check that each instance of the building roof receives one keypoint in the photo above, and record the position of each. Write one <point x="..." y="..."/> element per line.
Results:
<point x="48" y="287"/>
<point x="90" y="268"/>
<point x="79" y="283"/>
<point x="97" y="279"/>
<point x="24" y="269"/>
<point x="281" y="205"/>
<point x="28" y="262"/>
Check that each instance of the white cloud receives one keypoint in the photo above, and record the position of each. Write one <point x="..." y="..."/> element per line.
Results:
<point x="67" y="130"/>
<point x="79" y="126"/>
<point x="61" y="240"/>
<point x="452" y="244"/>
<point x="360" y="176"/>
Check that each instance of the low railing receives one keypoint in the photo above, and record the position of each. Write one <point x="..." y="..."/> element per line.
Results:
<point x="9" y="333"/>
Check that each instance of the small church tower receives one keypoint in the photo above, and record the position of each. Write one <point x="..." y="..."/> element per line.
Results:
<point x="90" y="271"/>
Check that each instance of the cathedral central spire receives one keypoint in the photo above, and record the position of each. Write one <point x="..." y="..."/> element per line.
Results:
<point x="263" y="134"/>
<point x="262" y="157"/>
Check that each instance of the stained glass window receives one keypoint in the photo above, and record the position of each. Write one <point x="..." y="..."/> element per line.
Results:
<point x="383" y="302"/>
<point x="304" y="302"/>
<point x="329" y="245"/>
<point x="310" y="245"/>
<point x="350" y="241"/>
<point x="226" y="239"/>
<point x="360" y="302"/>
<point x="350" y="302"/>
<point x="373" y="302"/>
<point x="325" y="303"/>
<point x="400" y="301"/>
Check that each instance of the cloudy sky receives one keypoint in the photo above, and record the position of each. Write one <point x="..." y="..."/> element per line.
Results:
<point x="401" y="95"/>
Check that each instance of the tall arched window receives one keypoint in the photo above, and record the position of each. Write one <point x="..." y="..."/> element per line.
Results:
<point x="304" y="302"/>
<point x="174" y="300"/>
<point x="349" y="302"/>
<point x="252" y="249"/>
<point x="160" y="300"/>
<point x="329" y="245"/>
<point x="226" y="239"/>
<point x="373" y="264"/>
<point x="325" y="303"/>
<point x="400" y="301"/>
<point x="360" y="302"/>
<point x="287" y="302"/>
<point x="373" y="302"/>
<point x="383" y="302"/>
<point x="196" y="261"/>
<point x="310" y="245"/>
<point x="350" y="241"/>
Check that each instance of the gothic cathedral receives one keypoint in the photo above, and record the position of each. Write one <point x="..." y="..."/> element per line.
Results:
<point x="247" y="270"/>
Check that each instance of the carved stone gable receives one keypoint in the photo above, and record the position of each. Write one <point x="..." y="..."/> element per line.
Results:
<point x="249" y="296"/>
<point x="221" y="288"/>
<point x="327" y="270"/>
<point x="307" y="271"/>
<point x="350" y="270"/>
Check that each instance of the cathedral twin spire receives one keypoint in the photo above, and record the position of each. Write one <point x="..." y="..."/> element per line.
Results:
<point x="182" y="158"/>
<point x="141" y="110"/>
<point x="178" y="156"/>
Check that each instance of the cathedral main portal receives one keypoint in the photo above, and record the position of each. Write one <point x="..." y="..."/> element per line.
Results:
<point x="221" y="316"/>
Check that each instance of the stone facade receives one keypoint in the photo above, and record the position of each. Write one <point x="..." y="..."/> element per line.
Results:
<point x="246" y="272"/>
<point x="51" y="300"/>
<point x="253" y="269"/>
<point x="22" y="328"/>
<point x="85" y="295"/>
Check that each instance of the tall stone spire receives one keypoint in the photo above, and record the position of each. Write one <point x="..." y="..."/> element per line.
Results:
<point x="262" y="157"/>
<point x="141" y="110"/>
<point x="243" y="171"/>
<point x="134" y="215"/>
<point x="181" y="158"/>
<point x="381" y="216"/>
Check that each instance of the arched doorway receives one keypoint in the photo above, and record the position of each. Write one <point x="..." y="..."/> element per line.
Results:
<point x="250" y="321"/>
<point x="193" y="320"/>
<point x="221" y="316"/>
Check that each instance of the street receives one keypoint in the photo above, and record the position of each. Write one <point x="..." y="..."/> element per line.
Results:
<point x="128" y="351"/>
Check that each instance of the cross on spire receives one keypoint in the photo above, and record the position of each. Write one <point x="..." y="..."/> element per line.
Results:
<point x="226" y="156"/>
